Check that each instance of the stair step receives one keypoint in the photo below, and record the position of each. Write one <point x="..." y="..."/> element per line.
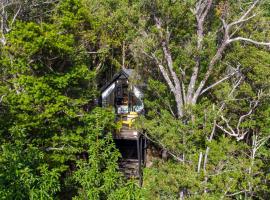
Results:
<point x="129" y="167"/>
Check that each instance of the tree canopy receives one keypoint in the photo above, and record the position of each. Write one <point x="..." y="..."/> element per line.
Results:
<point x="206" y="67"/>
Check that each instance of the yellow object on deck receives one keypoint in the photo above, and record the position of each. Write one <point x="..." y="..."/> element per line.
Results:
<point x="130" y="118"/>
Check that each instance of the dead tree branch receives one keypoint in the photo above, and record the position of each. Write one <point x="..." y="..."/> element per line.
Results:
<point x="249" y="40"/>
<point x="238" y="132"/>
<point x="202" y="9"/>
<point x="168" y="57"/>
<point x="218" y="82"/>
<point x="225" y="42"/>
<point x="4" y="18"/>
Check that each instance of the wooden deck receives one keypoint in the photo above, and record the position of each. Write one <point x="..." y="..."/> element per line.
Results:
<point x="126" y="134"/>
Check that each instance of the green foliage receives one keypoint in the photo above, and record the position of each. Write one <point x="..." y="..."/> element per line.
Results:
<point x="51" y="134"/>
<point x="24" y="174"/>
<point x="55" y="145"/>
<point x="98" y="175"/>
<point x="228" y="168"/>
<point x="129" y="191"/>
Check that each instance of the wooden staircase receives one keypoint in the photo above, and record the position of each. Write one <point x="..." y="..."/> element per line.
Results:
<point x="129" y="167"/>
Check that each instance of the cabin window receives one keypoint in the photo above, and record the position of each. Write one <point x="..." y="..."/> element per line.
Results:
<point x="122" y="97"/>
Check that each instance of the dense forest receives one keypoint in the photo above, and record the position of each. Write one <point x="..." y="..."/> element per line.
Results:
<point x="205" y="65"/>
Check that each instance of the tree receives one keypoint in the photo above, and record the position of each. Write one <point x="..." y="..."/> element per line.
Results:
<point x="201" y="72"/>
<point x="203" y="53"/>
<point x="51" y="133"/>
<point x="206" y="64"/>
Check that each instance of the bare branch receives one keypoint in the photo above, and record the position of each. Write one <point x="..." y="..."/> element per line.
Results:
<point x="235" y="86"/>
<point x="261" y="142"/>
<point x="1" y="99"/>
<point x="228" y="126"/>
<point x="167" y="78"/>
<point x="55" y="148"/>
<point x="99" y="66"/>
<point x="202" y="9"/>
<point x="167" y="53"/>
<point x="239" y="134"/>
<point x="218" y="82"/>
<point x="184" y="92"/>
<point x="164" y="73"/>
<point x="208" y="148"/>
<point x="199" y="162"/>
<point x="245" y="17"/>
<point x="241" y="20"/>
<point x="207" y="8"/>
<point x="236" y="193"/>
<point x="4" y="23"/>
<point x="45" y="2"/>
<point x="246" y="115"/>
<point x="168" y="57"/>
<point x="94" y="52"/>
<point x="226" y="131"/>
<point x="15" y="16"/>
<point x="212" y="63"/>
<point x="227" y="40"/>
<point x="249" y="40"/>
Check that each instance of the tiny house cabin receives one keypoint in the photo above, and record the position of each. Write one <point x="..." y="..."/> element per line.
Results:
<point x="120" y="94"/>
<point x="127" y="100"/>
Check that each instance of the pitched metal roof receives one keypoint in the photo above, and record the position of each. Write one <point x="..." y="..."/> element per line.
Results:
<point x="125" y="72"/>
<point x="128" y="72"/>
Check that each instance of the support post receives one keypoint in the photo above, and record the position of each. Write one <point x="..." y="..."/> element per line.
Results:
<point x="144" y="151"/>
<point x="141" y="162"/>
<point x="139" y="158"/>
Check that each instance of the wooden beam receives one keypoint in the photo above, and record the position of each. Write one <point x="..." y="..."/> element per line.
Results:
<point x="139" y="159"/>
